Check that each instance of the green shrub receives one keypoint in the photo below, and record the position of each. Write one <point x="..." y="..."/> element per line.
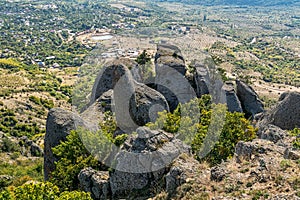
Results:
<point x="72" y="158"/>
<point x="5" y="195"/>
<point x="212" y="134"/>
<point x="39" y="191"/>
<point x="296" y="132"/>
<point x="75" y="195"/>
<point x="9" y="146"/>
<point x="73" y="155"/>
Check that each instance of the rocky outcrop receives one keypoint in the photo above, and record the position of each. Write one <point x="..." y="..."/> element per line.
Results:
<point x="170" y="71"/>
<point x="135" y="104"/>
<point x="95" y="182"/>
<point x="217" y="173"/>
<point x="145" y="104"/>
<point x="95" y="112"/>
<point x="201" y="79"/>
<point x="144" y="160"/>
<point x="59" y="124"/>
<point x="271" y="133"/>
<point x="169" y="55"/>
<point x="233" y="103"/>
<point x="183" y="170"/>
<point x="286" y="113"/>
<point x="249" y="99"/>
<point x="114" y="73"/>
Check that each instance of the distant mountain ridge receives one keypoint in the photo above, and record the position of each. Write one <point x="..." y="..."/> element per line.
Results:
<point x="239" y="2"/>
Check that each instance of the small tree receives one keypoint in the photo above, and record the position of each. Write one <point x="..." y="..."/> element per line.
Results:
<point x="143" y="58"/>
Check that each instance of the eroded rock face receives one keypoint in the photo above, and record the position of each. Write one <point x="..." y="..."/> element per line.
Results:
<point x="201" y="79"/>
<point x="113" y="73"/>
<point x="286" y="114"/>
<point x="145" y="104"/>
<point x="249" y="99"/>
<point x="271" y="133"/>
<point x="95" y="112"/>
<point x="170" y="76"/>
<point x="233" y="103"/>
<point x="183" y="170"/>
<point x="59" y="124"/>
<point x="143" y="160"/>
<point x="170" y="56"/>
<point x="134" y="104"/>
<point x="257" y="147"/>
<point x="95" y="182"/>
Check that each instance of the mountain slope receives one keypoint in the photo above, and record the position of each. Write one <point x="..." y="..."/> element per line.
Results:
<point x="239" y="2"/>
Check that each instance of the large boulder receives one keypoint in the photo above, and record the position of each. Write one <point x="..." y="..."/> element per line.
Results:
<point x="170" y="76"/>
<point x="183" y="170"/>
<point x="133" y="103"/>
<point x="95" y="112"/>
<point x="286" y="114"/>
<point x="201" y="79"/>
<point x="272" y="133"/>
<point x="59" y="124"/>
<point x="115" y="72"/>
<point x="144" y="160"/>
<point x="145" y="104"/>
<point x="233" y="102"/>
<point x="249" y="99"/>
<point x="95" y="182"/>
<point x="170" y="56"/>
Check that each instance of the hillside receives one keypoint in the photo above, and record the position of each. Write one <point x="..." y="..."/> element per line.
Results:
<point x="237" y="3"/>
<point x="126" y="99"/>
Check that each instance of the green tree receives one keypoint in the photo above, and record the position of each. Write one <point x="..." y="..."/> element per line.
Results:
<point x="143" y="58"/>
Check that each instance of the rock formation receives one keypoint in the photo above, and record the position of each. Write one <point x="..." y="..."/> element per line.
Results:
<point x="150" y="157"/>
<point x="233" y="103"/>
<point x="250" y="101"/>
<point x="170" y="71"/>
<point x="286" y="113"/>
<point x="59" y="124"/>
<point x="144" y="160"/>
<point x="201" y="79"/>
<point x="95" y="182"/>
<point x="135" y="104"/>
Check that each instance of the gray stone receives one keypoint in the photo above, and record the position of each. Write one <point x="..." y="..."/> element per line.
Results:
<point x="202" y="79"/>
<point x="122" y="182"/>
<point x="271" y="133"/>
<point x="144" y="159"/>
<point x="145" y="104"/>
<point x="170" y="76"/>
<point x="134" y="104"/>
<point x="59" y="124"/>
<point x="183" y="169"/>
<point x="115" y="72"/>
<point x="233" y="103"/>
<point x="95" y="182"/>
<point x="256" y="148"/>
<point x="217" y="174"/>
<point x="286" y="114"/>
<point x="249" y="99"/>
<point x="291" y="154"/>
<point x="171" y="56"/>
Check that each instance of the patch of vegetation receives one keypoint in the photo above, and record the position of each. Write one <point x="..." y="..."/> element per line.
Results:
<point x="22" y="171"/>
<point x="296" y="132"/>
<point x="72" y="158"/>
<point x="232" y="127"/>
<point x="42" y="191"/>
<point x="43" y="102"/>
